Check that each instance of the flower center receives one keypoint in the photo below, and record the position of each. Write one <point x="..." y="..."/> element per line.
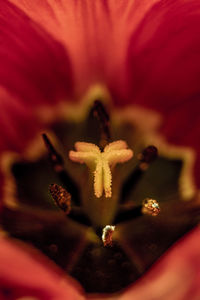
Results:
<point x="113" y="214"/>
<point x="101" y="163"/>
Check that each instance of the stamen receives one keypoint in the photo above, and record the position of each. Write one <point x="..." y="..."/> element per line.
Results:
<point x="101" y="114"/>
<point x="101" y="163"/>
<point x="61" y="197"/>
<point x="128" y="212"/>
<point x="58" y="165"/>
<point x="148" y="155"/>
<point x="53" y="154"/>
<point x="150" y="207"/>
<point x="107" y="235"/>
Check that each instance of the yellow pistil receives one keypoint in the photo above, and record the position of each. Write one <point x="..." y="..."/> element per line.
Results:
<point x="101" y="163"/>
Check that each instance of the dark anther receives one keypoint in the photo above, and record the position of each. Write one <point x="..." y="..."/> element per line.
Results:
<point x="58" y="165"/>
<point x="101" y="114"/>
<point x="148" y="155"/>
<point x="53" y="154"/>
<point x="61" y="197"/>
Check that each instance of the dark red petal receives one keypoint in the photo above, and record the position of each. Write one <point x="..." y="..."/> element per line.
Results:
<point x="182" y="127"/>
<point x="34" y="67"/>
<point x="175" y="276"/>
<point x="17" y="123"/>
<point x="163" y="64"/>
<point x="26" y="273"/>
<point x="163" y="55"/>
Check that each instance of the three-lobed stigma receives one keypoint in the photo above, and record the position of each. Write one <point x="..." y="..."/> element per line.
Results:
<point x="101" y="163"/>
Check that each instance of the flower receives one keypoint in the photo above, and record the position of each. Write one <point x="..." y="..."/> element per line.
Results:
<point x="51" y="53"/>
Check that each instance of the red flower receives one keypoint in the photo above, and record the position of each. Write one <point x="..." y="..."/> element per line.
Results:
<point x="145" y="52"/>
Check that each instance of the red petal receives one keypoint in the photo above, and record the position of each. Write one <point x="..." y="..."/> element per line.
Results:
<point x="26" y="273"/>
<point x="83" y="26"/>
<point x="95" y="32"/>
<point x="163" y="55"/>
<point x="163" y="64"/>
<point x="175" y="276"/>
<point x="34" y="67"/>
<point x="17" y="123"/>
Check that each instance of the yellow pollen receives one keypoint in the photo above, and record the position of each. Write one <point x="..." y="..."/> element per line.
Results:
<point x="101" y="163"/>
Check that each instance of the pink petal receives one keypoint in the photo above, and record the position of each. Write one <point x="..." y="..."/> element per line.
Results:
<point x="26" y="273"/>
<point x="175" y="276"/>
<point x="95" y="33"/>
<point x="34" y="67"/>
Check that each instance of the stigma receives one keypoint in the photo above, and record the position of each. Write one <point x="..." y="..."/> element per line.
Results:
<point x="101" y="163"/>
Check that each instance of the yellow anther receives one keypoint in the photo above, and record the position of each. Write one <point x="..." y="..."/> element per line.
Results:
<point x="150" y="207"/>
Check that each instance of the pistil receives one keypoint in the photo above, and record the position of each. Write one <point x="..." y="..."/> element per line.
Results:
<point x="101" y="163"/>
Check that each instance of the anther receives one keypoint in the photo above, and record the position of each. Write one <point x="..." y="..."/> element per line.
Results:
<point x="61" y="197"/>
<point x="148" y="155"/>
<point x="150" y="207"/>
<point x="107" y="235"/>
<point x="58" y="166"/>
<point x="55" y="158"/>
<point x="102" y="116"/>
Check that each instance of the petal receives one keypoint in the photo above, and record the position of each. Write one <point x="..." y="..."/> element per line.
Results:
<point x="94" y="32"/>
<point x="181" y="127"/>
<point x="163" y="66"/>
<point x="163" y="55"/>
<point x="34" y="67"/>
<point x="26" y="273"/>
<point x="83" y="27"/>
<point x="17" y="123"/>
<point x="175" y="276"/>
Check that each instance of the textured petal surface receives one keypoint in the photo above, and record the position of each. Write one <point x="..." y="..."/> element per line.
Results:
<point x="24" y="273"/>
<point x="175" y="276"/>
<point x="163" y="64"/>
<point x="94" y="32"/>
<point x="34" y="67"/>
